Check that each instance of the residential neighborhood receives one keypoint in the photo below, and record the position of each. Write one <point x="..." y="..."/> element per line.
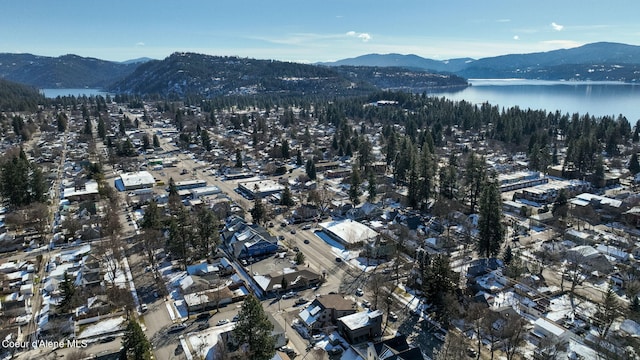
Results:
<point x="175" y="218"/>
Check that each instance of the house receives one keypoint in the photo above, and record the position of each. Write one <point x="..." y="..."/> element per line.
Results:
<point x="361" y="326"/>
<point x="288" y="279"/>
<point x="545" y="329"/>
<point x="391" y="349"/>
<point x="214" y="298"/>
<point x="248" y="241"/>
<point x="324" y="311"/>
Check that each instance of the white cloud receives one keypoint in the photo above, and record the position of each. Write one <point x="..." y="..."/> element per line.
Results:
<point x="365" y="37"/>
<point x="504" y="20"/>
<point x="362" y="36"/>
<point x="140" y="44"/>
<point x="516" y="37"/>
<point x="557" y="27"/>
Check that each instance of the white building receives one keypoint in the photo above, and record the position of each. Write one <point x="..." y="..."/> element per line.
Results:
<point x="136" y="180"/>
<point x="349" y="231"/>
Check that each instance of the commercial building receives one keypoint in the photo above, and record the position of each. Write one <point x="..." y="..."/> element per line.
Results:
<point x="260" y="188"/>
<point x="348" y="232"/>
<point x="134" y="180"/>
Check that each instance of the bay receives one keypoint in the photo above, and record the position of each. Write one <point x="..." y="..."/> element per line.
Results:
<point x="54" y="93"/>
<point x="598" y="98"/>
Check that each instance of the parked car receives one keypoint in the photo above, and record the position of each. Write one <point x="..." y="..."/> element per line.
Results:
<point x="335" y="351"/>
<point x="306" y="227"/>
<point x="301" y="301"/>
<point x="203" y="316"/>
<point x="177" y="328"/>
<point x="289" y="295"/>
<point x="203" y="326"/>
<point x="393" y="316"/>
<point x="289" y="351"/>
<point x="143" y="308"/>
<point x="222" y="322"/>
<point x="366" y="303"/>
<point x="306" y="241"/>
<point x="296" y="249"/>
<point x="359" y="292"/>
<point x="107" y="339"/>
<point x="293" y="231"/>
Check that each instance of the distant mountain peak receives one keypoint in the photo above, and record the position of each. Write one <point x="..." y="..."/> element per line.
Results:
<point x="140" y="60"/>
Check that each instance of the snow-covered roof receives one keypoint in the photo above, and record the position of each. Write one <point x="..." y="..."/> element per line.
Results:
<point x="135" y="179"/>
<point x="90" y="187"/>
<point x="349" y="231"/>
<point x="359" y="319"/>
<point x="549" y="327"/>
<point x="309" y="315"/>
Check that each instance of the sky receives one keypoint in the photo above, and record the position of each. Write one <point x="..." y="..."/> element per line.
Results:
<point x="311" y="30"/>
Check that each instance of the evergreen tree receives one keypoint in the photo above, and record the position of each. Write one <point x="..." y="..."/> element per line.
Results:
<point x="156" y="141"/>
<point x="449" y="179"/>
<point x="300" y="258"/>
<point x="238" y="158"/>
<point x="285" y="149"/>
<point x="145" y="141"/>
<point x="491" y="232"/>
<point x="608" y="311"/>
<point x="206" y="140"/>
<point x="180" y="236"/>
<point x="152" y="217"/>
<point x="299" y="161"/>
<point x="258" y="212"/>
<point x="508" y="255"/>
<point x="474" y="178"/>
<point x="354" y="186"/>
<point x="68" y="292"/>
<point x="22" y="182"/>
<point x="286" y="198"/>
<point x="87" y="127"/>
<point x="437" y="279"/>
<point x="371" y="187"/>
<point x="253" y="330"/>
<point x="206" y="232"/>
<point x="634" y="165"/>
<point x="561" y="204"/>
<point x="135" y="345"/>
<point x="310" y="168"/>
<point x="102" y="131"/>
<point x="61" y="121"/>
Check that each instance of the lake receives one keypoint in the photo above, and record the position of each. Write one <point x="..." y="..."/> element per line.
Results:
<point x="596" y="98"/>
<point x="54" y="93"/>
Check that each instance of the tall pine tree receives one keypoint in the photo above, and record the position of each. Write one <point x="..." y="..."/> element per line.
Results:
<point x="253" y="330"/>
<point x="491" y="232"/>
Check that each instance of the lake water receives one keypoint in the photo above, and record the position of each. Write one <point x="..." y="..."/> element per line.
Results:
<point x="54" y="93"/>
<point x="596" y="98"/>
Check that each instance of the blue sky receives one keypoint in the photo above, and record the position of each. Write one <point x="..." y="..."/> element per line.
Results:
<point x="311" y="30"/>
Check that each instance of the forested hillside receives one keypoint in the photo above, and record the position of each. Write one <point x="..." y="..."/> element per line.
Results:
<point x="18" y="97"/>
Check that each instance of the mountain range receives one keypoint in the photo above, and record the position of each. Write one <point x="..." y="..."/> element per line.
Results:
<point x="603" y="61"/>
<point x="183" y="74"/>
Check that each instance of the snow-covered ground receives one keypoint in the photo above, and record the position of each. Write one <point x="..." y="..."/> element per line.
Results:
<point x="202" y="343"/>
<point x="103" y="327"/>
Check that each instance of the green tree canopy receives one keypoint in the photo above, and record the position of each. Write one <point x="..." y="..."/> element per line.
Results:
<point x="253" y="330"/>
<point x="490" y="229"/>
<point x="135" y="345"/>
